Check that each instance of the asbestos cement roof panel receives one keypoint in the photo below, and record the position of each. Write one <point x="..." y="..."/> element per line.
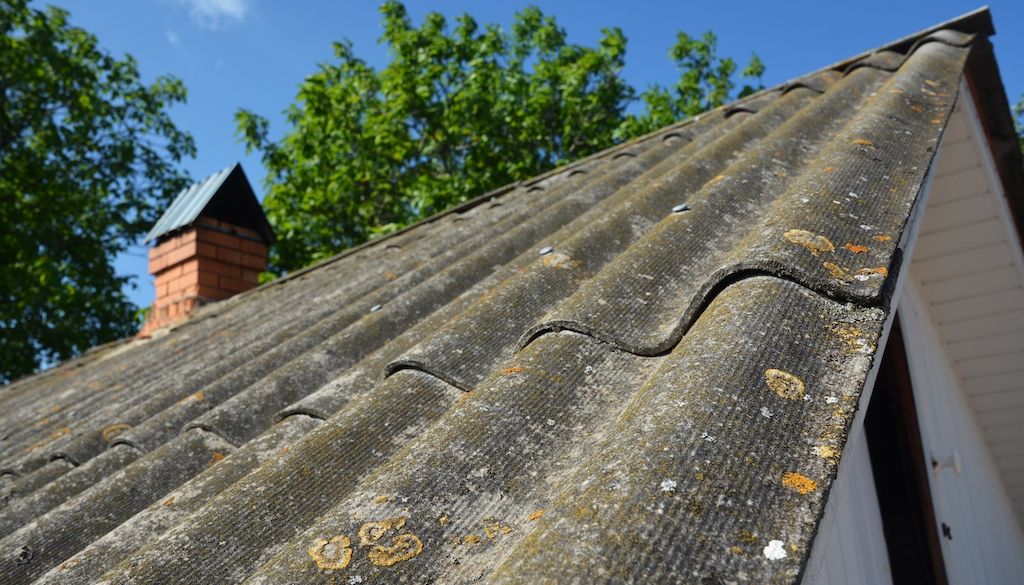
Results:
<point x="639" y="367"/>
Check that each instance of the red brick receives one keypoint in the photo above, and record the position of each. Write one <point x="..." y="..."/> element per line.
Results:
<point x="189" y="266"/>
<point x="250" y="261"/>
<point x="221" y="239"/>
<point x="229" y="256"/>
<point x="254" y="248"/>
<point x="221" y="268"/>
<point x="234" y="284"/>
<point x="207" y="278"/>
<point x="251" y="276"/>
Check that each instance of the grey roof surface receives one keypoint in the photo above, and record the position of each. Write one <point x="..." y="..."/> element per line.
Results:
<point x="656" y="398"/>
<point x="197" y="197"/>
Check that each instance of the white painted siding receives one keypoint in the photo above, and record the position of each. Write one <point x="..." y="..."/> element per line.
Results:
<point x="851" y="531"/>
<point x="988" y="544"/>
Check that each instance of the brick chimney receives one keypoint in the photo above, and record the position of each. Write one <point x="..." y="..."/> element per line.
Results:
<point x="211" y="244"/>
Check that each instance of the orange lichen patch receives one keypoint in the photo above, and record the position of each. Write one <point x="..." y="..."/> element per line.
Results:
<point x="799" y="483"/>
<point x="332" y="555"/>
<point x="932" y="83"/>
<point x="403" y="547"/>
<point x="917" y="108"/>
<point x="880" y="270"/>
<point x="829" y="170"/>
<point x="856" y="249"/>
<point x="853" y="337"/>
<point x="784" y="384"/>
<point x="217" y="458"/>
<point x="735" y="550"/>
<point x="560" y="260"/>
<point x="837" y="271"/>
<point x="863" y="142"/>
<point x="813" y="242"/>
<point x="194" y="397"/>
<point x="492" y="528"/>
<point x="535" y="514"/>
<point x="826" y="452"/>
<point x="383" y="499"/>
<point x="113" y="431"/>
<point x="713" y="180"/>
<point x="68" y="564"/>
<point x="882" y="238"/>
<point x="511" y="370"/>
<point x="471" y="539"/>
<point x="466" y="395"/>
<point x="390" y="276"/>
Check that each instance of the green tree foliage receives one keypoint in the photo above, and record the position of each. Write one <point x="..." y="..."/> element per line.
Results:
<point x="87" y="159"/>
<point x="456" y="112"/>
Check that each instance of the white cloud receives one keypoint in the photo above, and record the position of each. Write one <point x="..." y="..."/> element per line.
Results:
<point x="212" y="14"/>
<point x="172" y="37"/>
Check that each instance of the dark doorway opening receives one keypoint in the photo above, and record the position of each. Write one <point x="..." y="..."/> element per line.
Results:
<point x="901" y="472"/>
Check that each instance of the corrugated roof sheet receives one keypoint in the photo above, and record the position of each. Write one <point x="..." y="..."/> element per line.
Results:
<point x="574" y="379"/>
<point x="187" y="206"/>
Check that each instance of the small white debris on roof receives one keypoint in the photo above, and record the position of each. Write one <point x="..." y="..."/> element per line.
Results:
<point x="765" y="412"/>
<point x="668" y="486"/>
<point x="354" y="579"/>
<point x="831" y="400"/>
<point x="707" y="437"/>
<point x="551" y="422"/>
<point x="865" y="226"/>
<point x="854" y="195"/>
<point x="775" y="550"/>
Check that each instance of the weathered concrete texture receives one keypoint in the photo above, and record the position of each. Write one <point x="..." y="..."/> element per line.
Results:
<point x="640" y="367"/>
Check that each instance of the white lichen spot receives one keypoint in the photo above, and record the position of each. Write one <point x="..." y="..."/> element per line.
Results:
<point x="765" y="412"/>
<point x="831" y="400"/>
<point x="707" y="437"/>
<point x="668" y="486"/>
<point x="355" y="579"/>
<point x="776" y="550"/>
<point x="551" y="422"/>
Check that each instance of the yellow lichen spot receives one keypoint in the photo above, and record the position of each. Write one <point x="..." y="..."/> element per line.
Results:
<point x="714" y="180"/>
<point x="799" y="483"/>
<point x="403" y="547"/>
<point x="936" y="121"/>
<point x="383" y="499"/>
<point x="826" y="452"/>
<point x="880" y="270"/>
<point x="471" y="539"/>
<point x="856" y="249"/>
<point x="699" y="476"/>
<point x="784" y="384"/>
<point x="854" y="339"/>
<point x="511" y="370"/>
<point x="735" y="550"/>
<point x="169" y="501"/>
<point x="492" y="528"/>
<point x="199" y="396"/>
<point x="560" y="260"/>
<point x="917" y="108"/>
<point x="813" y="242"/>
<point x="332" y="555"/>
<point x="216" y="458"/>
<point x="829" y="170"/>
<point x="443" y="519"/>
<point x="882" y="238"/>
<point x="390" y="276"/>
<point x="110" y="433"/>
<point x="535" y="514"/>
<point x="931" y="83"/>
<point x="863" y="142"/>
<point x="837" y="271"/>
<point x="745" y="536"/>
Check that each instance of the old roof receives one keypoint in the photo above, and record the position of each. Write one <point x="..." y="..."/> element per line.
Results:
<point x="639" y="367"/>
<point x="225" y="195"/>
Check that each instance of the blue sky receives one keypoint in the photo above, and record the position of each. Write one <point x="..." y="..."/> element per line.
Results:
<point x="254" y="53"/>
